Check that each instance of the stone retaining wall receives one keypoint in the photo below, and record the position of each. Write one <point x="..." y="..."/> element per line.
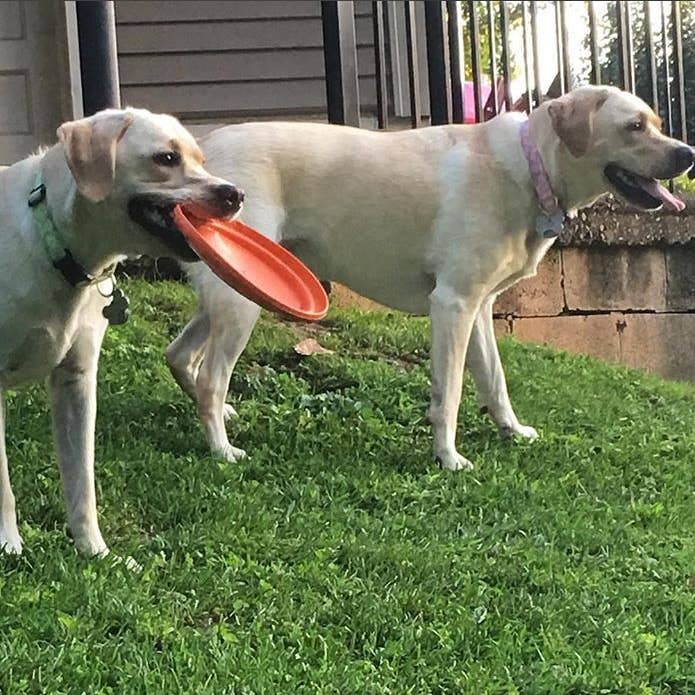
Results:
<point x="634" y="305"/>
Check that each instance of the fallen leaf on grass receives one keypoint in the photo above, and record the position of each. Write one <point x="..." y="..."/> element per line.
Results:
<point x="311" y="346"/>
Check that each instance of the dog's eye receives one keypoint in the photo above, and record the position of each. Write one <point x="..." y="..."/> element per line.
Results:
<point x="635" y="126"/>
<point x="167" y="159"/>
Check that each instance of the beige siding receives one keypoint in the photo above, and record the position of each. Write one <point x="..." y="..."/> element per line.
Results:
<point x="164" y="11"/>
<point x="222" y="60"/>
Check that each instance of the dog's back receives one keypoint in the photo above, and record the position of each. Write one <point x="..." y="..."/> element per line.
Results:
<point x="343" y="199"/>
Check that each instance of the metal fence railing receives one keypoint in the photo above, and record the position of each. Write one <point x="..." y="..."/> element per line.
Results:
<point x="484" y="56"/>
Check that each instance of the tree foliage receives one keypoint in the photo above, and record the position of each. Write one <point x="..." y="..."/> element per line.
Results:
<point x="514" y="10"/>
<point x="611" y="68"/>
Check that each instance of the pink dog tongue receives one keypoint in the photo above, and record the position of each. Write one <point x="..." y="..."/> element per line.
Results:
<point x="665" y="196"/>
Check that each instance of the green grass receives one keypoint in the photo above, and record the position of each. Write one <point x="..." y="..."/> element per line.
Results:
<point x="684" y="184"/>
<point x="337" y="558"/>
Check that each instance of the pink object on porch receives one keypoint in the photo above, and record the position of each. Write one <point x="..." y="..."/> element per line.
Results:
<point x="485" y="97"/>
<point x="469" y="100"/>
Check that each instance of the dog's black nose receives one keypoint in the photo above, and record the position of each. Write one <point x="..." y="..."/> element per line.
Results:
<point x="230" y="196"/>
<point x="683" y="158"/>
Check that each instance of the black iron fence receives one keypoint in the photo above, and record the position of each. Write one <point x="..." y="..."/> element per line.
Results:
<point x="484" y="57"/>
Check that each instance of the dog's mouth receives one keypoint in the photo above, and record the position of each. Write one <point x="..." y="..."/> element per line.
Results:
<point x="155" y="215"/>
<point x="645" y="193"/>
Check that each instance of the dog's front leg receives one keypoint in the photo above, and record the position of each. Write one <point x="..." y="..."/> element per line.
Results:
<point x="452" y="320"/>
<point x="10" y="540"/>
<point x="73" y="387"/>
<point x="483" y="360"/>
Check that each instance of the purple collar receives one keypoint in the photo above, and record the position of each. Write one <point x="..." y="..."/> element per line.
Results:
<point x="550" y="222"/>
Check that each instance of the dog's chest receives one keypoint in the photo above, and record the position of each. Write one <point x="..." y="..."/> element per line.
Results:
<point x="35" y="342"/>
<point x="32" y="354"/>
<point x="536" y="247"/>
<point x="523" y="262"/>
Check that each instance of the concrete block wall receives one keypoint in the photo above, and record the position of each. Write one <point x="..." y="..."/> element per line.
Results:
<point x="628" y="304"/>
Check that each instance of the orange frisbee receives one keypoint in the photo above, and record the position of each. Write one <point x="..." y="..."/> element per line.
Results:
<point x="260" y="269"/>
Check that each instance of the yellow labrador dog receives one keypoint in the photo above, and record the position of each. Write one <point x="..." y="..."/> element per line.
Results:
<point x="67" y="215"/>
<point x="435" y="221"/>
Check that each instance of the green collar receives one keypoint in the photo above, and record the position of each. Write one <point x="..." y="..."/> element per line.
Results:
<point x="56" y="249"/>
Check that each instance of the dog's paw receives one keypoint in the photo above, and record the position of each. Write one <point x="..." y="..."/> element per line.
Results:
<point x="231" y="454"/>
<point x="527" y="432"/>
<point x="90" y="544"/>
<point x="519" y="430"/>
<point x="228" y="412"/>
<point x="10" y="542"/>
<point x="454" y="462"/>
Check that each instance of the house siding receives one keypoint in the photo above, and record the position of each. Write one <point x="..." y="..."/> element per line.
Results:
<point x="217" y="60"/>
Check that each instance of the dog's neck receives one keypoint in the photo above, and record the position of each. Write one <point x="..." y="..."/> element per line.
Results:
<point x="70" y="211"/>
<point x="572" y="192"/>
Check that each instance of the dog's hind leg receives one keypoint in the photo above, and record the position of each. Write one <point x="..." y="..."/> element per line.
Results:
<point x="10" y="540"/>
<point x="231" y="324"/>
<point x="185" y="354"/>
<point x="484" y="362"/>
<point x="222" y="326"/>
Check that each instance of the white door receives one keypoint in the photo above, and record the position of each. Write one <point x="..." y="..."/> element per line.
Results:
<point x="31" y="78"/>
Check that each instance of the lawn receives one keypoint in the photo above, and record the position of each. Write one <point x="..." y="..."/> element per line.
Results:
<point x="337" y="558"/>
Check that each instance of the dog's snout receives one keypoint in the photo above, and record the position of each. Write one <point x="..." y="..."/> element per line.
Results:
<point x="683" y="158"/>
<point x="229" y="196"/>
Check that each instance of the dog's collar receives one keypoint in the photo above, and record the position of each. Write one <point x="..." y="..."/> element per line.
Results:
<point x="116" y="311"/>
<point x="551" y="220"/>
<point x="56" y="249"/>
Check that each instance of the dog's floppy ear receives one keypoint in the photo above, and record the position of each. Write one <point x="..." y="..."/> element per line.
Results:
<point x="572" y="117"/>
<point x="90" y="150"/>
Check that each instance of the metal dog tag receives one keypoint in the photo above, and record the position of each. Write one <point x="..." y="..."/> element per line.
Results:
<point x="549" y="226"/>
<point x="117" y="311"/>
